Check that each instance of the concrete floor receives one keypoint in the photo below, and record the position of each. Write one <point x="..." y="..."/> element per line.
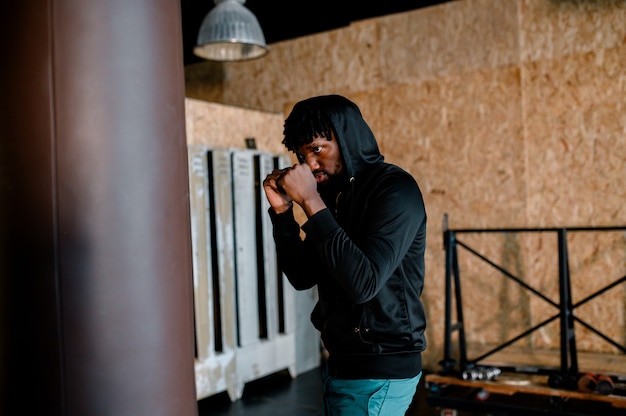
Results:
<point x="280" y="395"/>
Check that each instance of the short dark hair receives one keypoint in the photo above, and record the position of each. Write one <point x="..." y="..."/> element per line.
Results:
<point x="306" y="121"/>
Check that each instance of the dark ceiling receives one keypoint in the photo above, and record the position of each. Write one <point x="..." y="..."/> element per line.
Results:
<point x="288" y="19"/>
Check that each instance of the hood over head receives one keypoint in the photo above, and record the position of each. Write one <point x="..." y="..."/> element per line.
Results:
<point x="310" y="117"/>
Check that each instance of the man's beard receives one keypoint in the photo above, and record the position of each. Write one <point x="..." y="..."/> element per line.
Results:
<point x="331" y="188"/>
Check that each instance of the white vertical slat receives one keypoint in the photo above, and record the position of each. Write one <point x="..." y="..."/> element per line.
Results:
<point x="270" y="271"/>
<point x="244" y="206"/>
<point x="200" y="226"/>
<point x="225" y="267"/>
<point x="283" y="161"/>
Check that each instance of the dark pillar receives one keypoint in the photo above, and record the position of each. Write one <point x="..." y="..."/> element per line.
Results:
<point x="95" y="252"/>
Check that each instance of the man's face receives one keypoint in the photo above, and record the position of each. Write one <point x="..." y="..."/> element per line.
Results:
<point x="323" y="157"/>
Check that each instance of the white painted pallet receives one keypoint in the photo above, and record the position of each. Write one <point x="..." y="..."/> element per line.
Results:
<point x="257" y="324"/>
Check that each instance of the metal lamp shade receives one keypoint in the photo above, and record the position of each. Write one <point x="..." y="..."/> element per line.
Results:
<point x="230" y="32"/>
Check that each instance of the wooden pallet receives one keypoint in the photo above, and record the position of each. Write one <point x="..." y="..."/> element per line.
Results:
<point x="513" y="390"/>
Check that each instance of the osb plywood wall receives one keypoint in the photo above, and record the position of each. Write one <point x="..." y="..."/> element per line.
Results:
<point x="218" y="125"/>
<point x="509" y="113"/>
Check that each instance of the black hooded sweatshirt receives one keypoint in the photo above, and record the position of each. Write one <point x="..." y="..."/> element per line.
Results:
<point x="365" y="253"/>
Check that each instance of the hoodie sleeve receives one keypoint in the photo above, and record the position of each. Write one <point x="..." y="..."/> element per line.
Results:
<point x="295" y="257"/>
<point x="388" y="225"/>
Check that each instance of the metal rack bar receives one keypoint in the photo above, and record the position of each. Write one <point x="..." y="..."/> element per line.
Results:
<point x="568" y="371"/>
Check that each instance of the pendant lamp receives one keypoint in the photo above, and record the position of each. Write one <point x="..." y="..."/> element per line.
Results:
<point x="230" y="32"/>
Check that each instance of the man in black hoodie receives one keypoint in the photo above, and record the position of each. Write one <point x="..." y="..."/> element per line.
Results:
<point x="365" y="237"/>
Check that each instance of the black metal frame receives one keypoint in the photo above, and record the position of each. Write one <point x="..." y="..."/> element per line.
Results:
<point x="568" y="371"/>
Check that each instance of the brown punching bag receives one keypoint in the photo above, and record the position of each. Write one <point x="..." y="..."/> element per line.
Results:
<point x="95" y="252"/>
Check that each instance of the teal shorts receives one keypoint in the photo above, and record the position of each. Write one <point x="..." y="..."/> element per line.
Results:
<point x="368" y="397"/>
